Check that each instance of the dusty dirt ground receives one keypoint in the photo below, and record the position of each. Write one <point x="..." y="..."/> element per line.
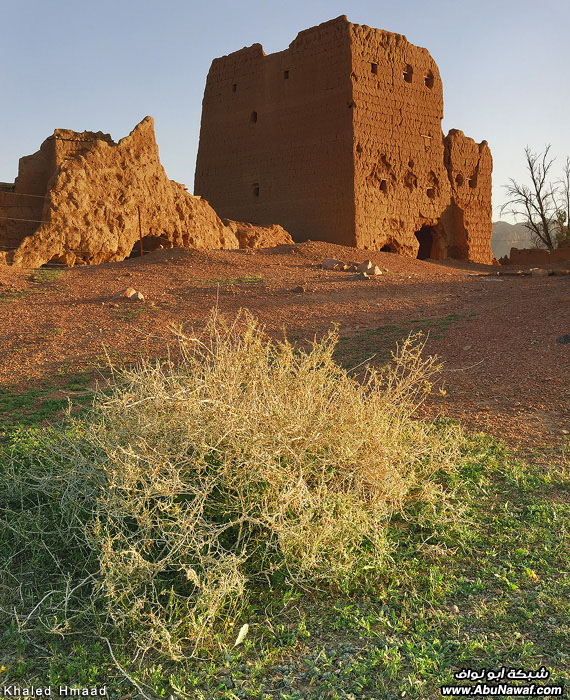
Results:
<point x="503" y="373"/>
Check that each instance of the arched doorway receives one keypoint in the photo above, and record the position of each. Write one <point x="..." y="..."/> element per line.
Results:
<point x="425" y="238"/>
<point x="149" y="244"/>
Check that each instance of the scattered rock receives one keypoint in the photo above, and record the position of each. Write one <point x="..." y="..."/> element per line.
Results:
<point x="454" y="610"/>
<point x="129" y="293"/>
<point x="362" y="276"/>
<point x="564" y="339"/>
<point x="365" y="266"/>
<point x="373" y="271"/>
<point x="299" y="290"/>
<point x="331" y="263"/>
<point x="565" y="432"/>
<point x="561" y="273"/>
<point x="538" y="272"/>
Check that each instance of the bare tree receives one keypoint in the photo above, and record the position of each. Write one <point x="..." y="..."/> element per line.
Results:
<point x="563" y="214"/>
<point x="544" y="206"/>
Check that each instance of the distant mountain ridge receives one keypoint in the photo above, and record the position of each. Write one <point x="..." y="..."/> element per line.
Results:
<point x="507" y="236"/>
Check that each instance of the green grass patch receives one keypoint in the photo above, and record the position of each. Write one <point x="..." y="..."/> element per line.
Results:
<point x="47" y="402"/>
<point x="45" y="275"/>
<point x="41" y="278"/>
<point x="378" y="343"/>
<point x="503" y="564"/>
<point x="224" y="281"/>
<point x="131" y="313"/>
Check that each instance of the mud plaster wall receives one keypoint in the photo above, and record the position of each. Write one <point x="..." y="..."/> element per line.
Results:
<point x="347" y="86"/>
<point x="275" y="139"/>
<point x="22" y="204"/>
<point x="94" y="191"/>
<point x="538" y="256"/>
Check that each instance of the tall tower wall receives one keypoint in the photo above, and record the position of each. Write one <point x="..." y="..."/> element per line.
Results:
<point x="339" y="138"/>
<point x="400" y="179"/>
<point x="276" y="136"/>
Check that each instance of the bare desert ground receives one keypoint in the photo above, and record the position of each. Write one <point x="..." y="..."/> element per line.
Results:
<point x="503" y="370"/>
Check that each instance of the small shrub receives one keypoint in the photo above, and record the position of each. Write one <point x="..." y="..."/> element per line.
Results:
<point x="248" y="460"/>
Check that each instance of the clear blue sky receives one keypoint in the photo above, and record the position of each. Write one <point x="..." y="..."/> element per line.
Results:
<point x="105" y="65"/>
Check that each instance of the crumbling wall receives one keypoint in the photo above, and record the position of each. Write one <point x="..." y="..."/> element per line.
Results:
<point x="538" y="256"/>
<point x="276" y="139"/>
<point x="339" y="138"/>
<point x="400" y="183"/>
<point x="94" y="197"/>
<point x="22" y="203"/>
<point x="256" y="236"/>
<point x="18" y="217"/>
<point x="469" y="166"/>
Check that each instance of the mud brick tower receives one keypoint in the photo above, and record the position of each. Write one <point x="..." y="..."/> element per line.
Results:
<point x="338" y="138"/>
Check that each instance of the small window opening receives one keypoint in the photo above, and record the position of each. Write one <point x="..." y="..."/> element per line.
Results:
<point x="234" y="87"/>
<point x="428" y="80"/>
<point x="285" y="75"/>
<point x="459" y="179"/>
<point x="255" y="187"/>
<point x="410" y="164"/>
<point x="431" y="192"/>
<point x="374" y="68"/>
<point x="383" y="186"/>
<point x="473" y="182"/>
<point x="408" y="72"/>
<point x="253" y="117"/>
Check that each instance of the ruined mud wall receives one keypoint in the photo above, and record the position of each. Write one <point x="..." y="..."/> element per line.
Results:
<point x="22" y="204"/>
<point x="403" y="187"/>
<point x="93" y="199"/>
<point x="469" y="166"/>
<point x="400" y="179"/>
<point x="415" y="191"/>
<point x="538" y="256"/>
<point x="276" y="140"/>
<point x="18" y="217"/>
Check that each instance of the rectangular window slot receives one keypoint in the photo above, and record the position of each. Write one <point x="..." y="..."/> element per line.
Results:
<point x="286" y="75"/>
<point x="374" y="68"/>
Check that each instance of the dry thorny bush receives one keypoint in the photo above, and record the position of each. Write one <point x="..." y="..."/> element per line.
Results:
<point x="247" y="461"/>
